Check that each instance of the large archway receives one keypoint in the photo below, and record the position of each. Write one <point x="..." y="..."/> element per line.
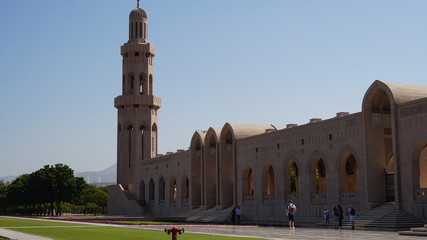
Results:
<point x="161" y="189"/>
<point x="227" y="167"/>
<point x="151" y="191"/>
<point x="142" y="192"/>
<point x="379" y="108"/>
<point x="196" y="147"/>
<point x="247" y="182"/>
<point x="423" y="167"/>
<point x="211" y="168"/>
<point x="348" y="173"/>
<point x="172" y="189"/>
<point x="419" y="175"/>
<point x="185" y="188"/>
<point x="268" y="180"/>
<point x="291" y="175"/>
<point x="317" y="175"/>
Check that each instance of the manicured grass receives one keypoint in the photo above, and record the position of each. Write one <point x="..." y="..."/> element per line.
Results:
<point x="69" y="231"/>
<point x="133" y="222"/>
<point x="116" y="233"/>
<point x="19" y="222"/>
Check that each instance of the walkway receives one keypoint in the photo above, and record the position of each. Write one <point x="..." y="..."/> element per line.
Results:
<point x="274" y="233"/>
<point x="20" y="236"/>
<point x="284" y="233"/>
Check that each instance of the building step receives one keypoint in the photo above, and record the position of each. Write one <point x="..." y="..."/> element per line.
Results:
<point x="385" y="216"/>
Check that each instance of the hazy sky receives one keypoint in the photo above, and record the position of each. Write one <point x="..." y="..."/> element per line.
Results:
<point x="240" y="61"/>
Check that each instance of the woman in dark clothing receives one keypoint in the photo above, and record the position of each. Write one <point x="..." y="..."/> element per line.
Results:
<point x="341" y="212"/>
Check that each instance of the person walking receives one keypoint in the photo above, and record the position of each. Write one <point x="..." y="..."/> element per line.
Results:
<point x="233" y="215"/>
<point x="341" y="216"/>
<point x="326" y="216"/>
<point x="238" y="214"/>
<point x="290" y="212"/>
<point x="351" y="212"/>
<point x="336" y="216"/>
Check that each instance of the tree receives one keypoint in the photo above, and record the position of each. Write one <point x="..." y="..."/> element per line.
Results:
<point x="95" y="198"/>
<point x="19" y="193"/>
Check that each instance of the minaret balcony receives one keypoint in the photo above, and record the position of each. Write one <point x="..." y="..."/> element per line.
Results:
<point x="126" y="100"/>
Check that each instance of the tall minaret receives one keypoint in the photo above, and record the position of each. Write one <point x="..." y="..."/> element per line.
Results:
<point x="137" y="106"/>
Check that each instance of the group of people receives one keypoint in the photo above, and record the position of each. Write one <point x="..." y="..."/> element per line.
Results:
<point x="291" y="209"/>
<point x="338" y="214"/>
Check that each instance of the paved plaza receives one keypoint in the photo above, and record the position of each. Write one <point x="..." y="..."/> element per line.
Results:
<point x="284" y="233"/>
<point x="273" y="233"/>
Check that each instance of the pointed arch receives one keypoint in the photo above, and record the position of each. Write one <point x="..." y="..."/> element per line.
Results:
<point x="348" y="172"/>
<point x="227" y="166"/>
<point x="142" y="132"/>
<point x="172" y="188"/>
<point x="268" y="180"/>
<point x="154" y="140"/>
<point x="151" y="190"/>
<point x="317" y="172"/>
<point x="291" y="175"/>
<point x="185" y="188"/>
<point x="150" y="91"/>
<point x="196" y="150"/>
<point x="141" y="83"/>
<point x="248" y="182"/>
<point x="162" y="189"/>
<point x="130" y="149"/>
<point x="211" y="167"/>
<point x="142" y="192"/>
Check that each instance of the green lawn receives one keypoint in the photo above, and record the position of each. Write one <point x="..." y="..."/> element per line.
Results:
<point x="70" y="231"/>
<point x="15" y="222"/>
<point x="134" y="222"/>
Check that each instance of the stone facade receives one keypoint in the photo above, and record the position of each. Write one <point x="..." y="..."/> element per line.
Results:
<point x="365" y="159"/>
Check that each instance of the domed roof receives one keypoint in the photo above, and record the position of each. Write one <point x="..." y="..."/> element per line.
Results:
<point x="137" y="13"/>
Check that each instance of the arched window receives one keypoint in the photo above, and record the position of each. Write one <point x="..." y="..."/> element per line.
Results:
<point x="349" y="172"/>
<point x="248" y="182"/>
<point x="173" y="189"/>
<point x="162" y="189"/>
<point x="320" y="176"/>
<point x="142" y="191"/>
<point x="293" y="179"/>
<point x="132" y="78"/>
<point x="185" y="186"/>
<point x="141" y="84"/>
<point x="268" y="180"/>
<point x="423" y="168"/>
<point x="142" y="129"/>
<point x="154" y="139"/>
<point x="151" y="85"/>
<point x="130" y="130"/>
<point x="123" y="84"/>
<point x="151" y="190"/>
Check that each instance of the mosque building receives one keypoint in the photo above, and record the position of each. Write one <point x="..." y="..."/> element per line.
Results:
<point x="374" y="157"/>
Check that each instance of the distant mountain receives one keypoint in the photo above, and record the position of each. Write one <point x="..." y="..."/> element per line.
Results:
<point x="8" y="178"/>
<point x="105" y="177"/>
<point x="108" y="175"/>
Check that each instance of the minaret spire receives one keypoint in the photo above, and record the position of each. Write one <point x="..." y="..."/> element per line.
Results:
<point x="137" y="3"/>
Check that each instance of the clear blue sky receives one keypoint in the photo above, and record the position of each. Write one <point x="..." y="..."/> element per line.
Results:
<point x="241" y="61"/>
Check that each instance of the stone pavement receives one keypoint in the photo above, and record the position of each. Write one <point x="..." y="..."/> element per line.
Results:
<point x="21" y="236"/>
<point x="283" y="233"/>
